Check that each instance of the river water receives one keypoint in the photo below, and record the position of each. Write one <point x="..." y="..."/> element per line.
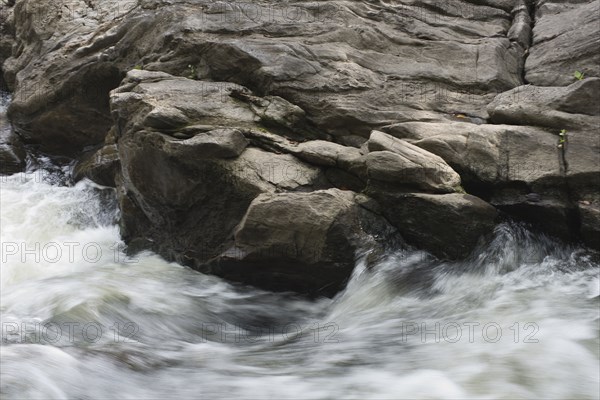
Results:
<point x="81" y="320"/>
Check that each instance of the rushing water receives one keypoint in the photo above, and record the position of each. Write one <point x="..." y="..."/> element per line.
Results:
<point x="81" y="320"/>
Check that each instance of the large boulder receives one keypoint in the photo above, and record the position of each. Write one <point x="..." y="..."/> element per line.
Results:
<point x="472" y="150"/>
<point x="399" y="162"/>
<point x="447" y="225"/>
<point x="307" y="242"/>
<point x="187" y="174"/>
<point x="571" y="190"/>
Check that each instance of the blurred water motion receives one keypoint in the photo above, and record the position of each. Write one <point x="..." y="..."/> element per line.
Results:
<point x="82" y="320"/>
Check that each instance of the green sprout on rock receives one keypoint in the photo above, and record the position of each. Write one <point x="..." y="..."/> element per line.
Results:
<point x="191" y="72"/>
<point x="562" y="138"/>
<point x="578" y="75"/>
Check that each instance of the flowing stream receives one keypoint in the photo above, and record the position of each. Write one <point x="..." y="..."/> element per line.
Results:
<point x="81" y="320"/>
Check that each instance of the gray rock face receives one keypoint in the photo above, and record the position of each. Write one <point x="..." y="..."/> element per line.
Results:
<point x="525" y="170"/>
<point x="566" y="39"/>
<point x="552" y="107"/>
<point x="575" y="111"/>
<point x="6" y="35"/>
<point x="328" y="154"/>
<point x="59" y="77"/>
<point x="63" y="68"/>
<point x="221" y="113"/>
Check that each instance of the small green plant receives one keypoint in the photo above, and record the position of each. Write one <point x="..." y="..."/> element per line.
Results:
<point x="578" y="75"/>
<point x="138" y="67"/>
<point x="191" y="72"/>
<point x="562" y="138"/>
<point x="460" y="189"/>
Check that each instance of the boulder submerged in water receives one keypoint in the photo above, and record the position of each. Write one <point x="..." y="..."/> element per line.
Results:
<point x="306" y="242"/>
<point x="449" y="226"/>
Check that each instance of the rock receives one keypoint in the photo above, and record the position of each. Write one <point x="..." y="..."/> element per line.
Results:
<point x="275" y="172"/>
<point x="344" y="180"/>
<point x="520" y="30"/>
<point x="274" y="110"/>
<point x="327" y="154"/>
<point x="61" y="73"/>
<point x="533" y="197"/>
<point x="572" y="107"/>
<point x="582" y="157"/>
<point x="64" y="63"/>
<point x="220" y="116"/>
<point x="173" y="105"/>
<point x="307" y="242"/>
<point x="397" y="161"/>
<point x="552" y="212"/>
<point x="566" y="39"/>
<point x="589" y="212"/>
<point x="506" y="164"/>
<point x="567" y="172"/>
<point x="165" y="118"/>
<point x="473" y="151"/>
<point x="12" y="153"/>
<point x="100" y="167"/>
<point x="217" y="143"/>
<point x="390" y="160"/>
<point x="7" y="39"/>
<point x="447" y="225"/>
<point x="582" y="161"/>
<point x="192" y="204"/>
<point x="344" y="166"/>
<point x="184" y="197"/>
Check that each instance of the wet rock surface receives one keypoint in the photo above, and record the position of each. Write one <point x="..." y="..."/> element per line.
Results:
<point x="235" y="132"/>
